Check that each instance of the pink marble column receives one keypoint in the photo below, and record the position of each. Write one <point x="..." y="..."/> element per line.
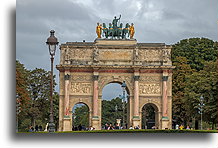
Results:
<point x="136" y="96"/>
<point x="95" y="96"/>
<point x="66" y="95"/>
<point x="165" y="106"/>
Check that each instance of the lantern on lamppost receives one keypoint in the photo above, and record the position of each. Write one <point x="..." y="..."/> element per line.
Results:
<point x="52" y="42"/>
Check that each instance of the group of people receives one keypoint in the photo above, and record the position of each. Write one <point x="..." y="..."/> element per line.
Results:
<point x="118" y="127"/>
<point x="181" y="127"/>
<point x="36" y="129"/>
<point x="82" y="128"/>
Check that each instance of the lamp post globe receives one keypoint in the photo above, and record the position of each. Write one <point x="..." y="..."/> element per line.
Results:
<point x="52" y="42"/>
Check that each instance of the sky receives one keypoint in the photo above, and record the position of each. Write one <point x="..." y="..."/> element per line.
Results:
<point x="163" y="21"/>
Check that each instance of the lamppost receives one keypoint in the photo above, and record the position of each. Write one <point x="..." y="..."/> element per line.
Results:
<point x="18" y="110"/>
<point x="52" y="42"/>
<point x="200" y="108"/>
<point x="123" y="97"/>
<point x="116" y="109"/>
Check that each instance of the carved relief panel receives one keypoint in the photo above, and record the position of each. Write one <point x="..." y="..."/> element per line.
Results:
<point x="150" y="54"/>
<point x="81" y="84"/>
<point x="149" y="85"/>
<point x="147" y="89"/>
<point x="76" y="54"/>
<point x="81" y="88"/>
<point x="115" y="54"/>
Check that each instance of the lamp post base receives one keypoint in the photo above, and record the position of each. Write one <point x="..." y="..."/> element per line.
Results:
<point x="51" y="127"/>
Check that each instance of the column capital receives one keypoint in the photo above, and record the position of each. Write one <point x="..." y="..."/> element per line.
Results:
<point x="67" y="77"/>
<point x="165" y="78"/>
<point x="95" y="77"/>
<point x="136" y="78"/>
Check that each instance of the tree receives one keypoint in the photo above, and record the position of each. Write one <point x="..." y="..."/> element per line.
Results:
<point x="196" y="50"/>
<point x="182" y="70"/>
<point x="22" y="94"/>
<point x="194" y="75"/>
<point x="39" y="87"/>
<point x="81" y="116"/>
<point x="109" y="113"/>
<point x="203" y="83"/>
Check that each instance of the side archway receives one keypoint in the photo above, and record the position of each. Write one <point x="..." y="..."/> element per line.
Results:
<point x="81" y="116"/>
<point x="150" y="118"/>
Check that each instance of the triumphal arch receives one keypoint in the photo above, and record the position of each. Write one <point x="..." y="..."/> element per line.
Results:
<point x="86" y="67"/>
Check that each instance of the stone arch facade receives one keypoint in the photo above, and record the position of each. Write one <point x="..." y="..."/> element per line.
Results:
<point x="86" y="67"/>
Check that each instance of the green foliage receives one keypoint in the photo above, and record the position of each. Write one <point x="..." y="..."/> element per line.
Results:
<point x="195" y="75"/>
<point x="81" y="116"/>
<point x="196" y="50"/>
<point x="22" y="94"/>
<point x="33" y="88"/>
<point x="180" y="73"/>
<point x="109" y="114"/>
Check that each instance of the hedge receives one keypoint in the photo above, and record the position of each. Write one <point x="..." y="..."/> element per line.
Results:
<point x="136" y="131"/>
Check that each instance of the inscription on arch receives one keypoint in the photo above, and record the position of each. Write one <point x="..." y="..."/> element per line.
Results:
<point x="145" y="89"/>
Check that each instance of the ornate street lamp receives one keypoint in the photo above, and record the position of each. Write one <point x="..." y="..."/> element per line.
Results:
<point x="52" y="42"/>
<point x="200" y="108"/>
<point x="123" y="97"/>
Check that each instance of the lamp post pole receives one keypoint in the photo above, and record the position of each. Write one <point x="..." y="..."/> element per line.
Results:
<point x="116" y="109"/>
<point x="52" y="42"/>
<point x="51" y="124"/>
<point x="123" y="97"/>
<point x="200" y="107"/>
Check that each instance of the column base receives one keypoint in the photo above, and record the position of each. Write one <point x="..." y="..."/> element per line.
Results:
<point x="96" y="123"/>
<point x="135" y="121"/>
<point x="165" y="123"/>
<point x="67" y="124"/>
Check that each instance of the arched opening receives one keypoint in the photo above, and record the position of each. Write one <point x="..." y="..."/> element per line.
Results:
<point x="80" y="117"/>
<point x="115" y="106"/>
<point x="150" y="116"/>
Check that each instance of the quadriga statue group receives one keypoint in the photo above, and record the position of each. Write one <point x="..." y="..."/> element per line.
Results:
<point x="115" y="31"/>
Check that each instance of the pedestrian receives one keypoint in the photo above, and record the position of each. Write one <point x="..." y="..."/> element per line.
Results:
<point x="40" y="128"/>
<point x="181" y="127"/>
<point x="177" y="126"/>
<point x="137" y="127"/>
<point x="110" y="127"/>
<point x="188" y="128"/>
<point x="80" y="127"/>
<point x="106" y="126"/>
<point x="36" y="128"/>
<point x="117" y="126"/>
<point x="30" y="129"/>
<point x="131" y="127"/>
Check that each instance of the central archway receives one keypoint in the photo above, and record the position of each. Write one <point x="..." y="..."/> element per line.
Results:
<point x="115" y="104"/>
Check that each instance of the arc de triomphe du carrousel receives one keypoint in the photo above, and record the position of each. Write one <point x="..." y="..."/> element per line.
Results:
<point x="86" y="67"/>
